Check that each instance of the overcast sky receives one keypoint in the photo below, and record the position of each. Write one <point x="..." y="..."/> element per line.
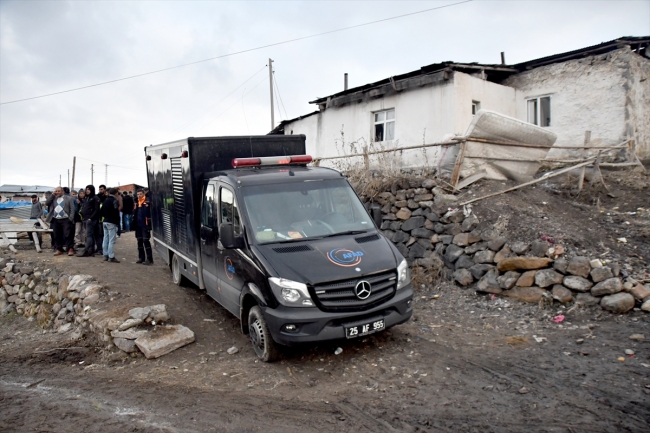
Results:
<point x="52" y="46"/>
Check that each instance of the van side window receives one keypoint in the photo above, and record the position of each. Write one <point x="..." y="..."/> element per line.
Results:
<point x="229" y="212"/>
<point x="207" y="217"/>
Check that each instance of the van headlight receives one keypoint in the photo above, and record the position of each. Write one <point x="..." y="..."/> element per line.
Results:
<point x="403" y="274"/>
<point x="290" y="293"/>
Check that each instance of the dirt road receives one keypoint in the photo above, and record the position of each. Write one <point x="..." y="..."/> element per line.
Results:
<point x="464" y="363"/>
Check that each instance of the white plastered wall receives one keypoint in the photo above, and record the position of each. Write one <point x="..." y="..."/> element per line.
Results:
<point x="590" y="94"/>
<point x="423" y="115"/>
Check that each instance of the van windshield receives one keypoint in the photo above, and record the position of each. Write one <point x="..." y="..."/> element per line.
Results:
<point x="302" y="210"/>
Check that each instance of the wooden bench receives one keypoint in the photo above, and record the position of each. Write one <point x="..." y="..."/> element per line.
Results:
<point x="9" y="229"/>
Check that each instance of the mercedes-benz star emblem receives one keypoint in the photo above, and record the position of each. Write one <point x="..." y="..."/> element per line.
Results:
<point x="362" y="289"/>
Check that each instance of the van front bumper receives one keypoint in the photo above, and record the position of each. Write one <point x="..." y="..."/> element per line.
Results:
<point x="312" y="324"/>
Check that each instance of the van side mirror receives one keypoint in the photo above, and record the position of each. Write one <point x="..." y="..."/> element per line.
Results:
<point x="228" y="238"/>
<point x="375" y="212"/>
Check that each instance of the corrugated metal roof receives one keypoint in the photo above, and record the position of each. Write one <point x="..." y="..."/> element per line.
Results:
<point x="25" y="189"/>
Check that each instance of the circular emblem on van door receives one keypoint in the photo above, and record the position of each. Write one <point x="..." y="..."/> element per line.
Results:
<point x="362" y="289"/>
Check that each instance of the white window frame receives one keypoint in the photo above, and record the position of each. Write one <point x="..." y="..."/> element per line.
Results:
<point x="537" y="120"/>
<point x="384" y="122"/>
<point x="476" y="105"/>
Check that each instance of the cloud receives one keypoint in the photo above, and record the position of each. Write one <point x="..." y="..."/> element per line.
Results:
<point x="52" y="46"/>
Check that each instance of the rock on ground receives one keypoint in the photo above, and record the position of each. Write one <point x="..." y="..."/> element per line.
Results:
<point x="547" y="277"/>
<point x="607" y="287"/>
<point x="125" y="345"/>
<point x="618" y="303"/>
<point x="579" y="284"/>
<point x="562" y="294"/>
<point x="526" y="294"/>
<point x="523" y="263"/>
<point x="580" y="266"/>
<point x="163" y="340"/>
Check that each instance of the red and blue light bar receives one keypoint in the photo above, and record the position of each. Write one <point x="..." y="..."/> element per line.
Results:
<point x="271" y="160"/>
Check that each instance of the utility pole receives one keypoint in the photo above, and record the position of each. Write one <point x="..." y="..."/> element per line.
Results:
<point x="68" y="178"/>
<point x="105" y="174"/>
<point x="91" y="174"/>
<point x="271" y="88"/>
<point x="59" y="180"/>
<point x="74" y="165"/>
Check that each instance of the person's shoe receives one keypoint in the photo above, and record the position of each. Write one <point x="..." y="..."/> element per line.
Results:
<point x="139" y="261"/>
<point x="147" y="263"/>
<point x="58" y="253"/>
<point x="105" y="258"/>
<point x="113" y="260"/>
<point x="71" y="252"/>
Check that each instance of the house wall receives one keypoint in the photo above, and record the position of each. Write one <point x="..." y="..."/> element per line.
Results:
<point x="602" y="94"/>
<point x="422" y="115"/>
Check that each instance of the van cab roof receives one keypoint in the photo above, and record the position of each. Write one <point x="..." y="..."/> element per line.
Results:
<point x="275" y="174"/>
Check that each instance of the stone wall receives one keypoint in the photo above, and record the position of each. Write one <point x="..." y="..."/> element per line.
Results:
<point x="69" y="304"/>
<point x="428" y="228"/>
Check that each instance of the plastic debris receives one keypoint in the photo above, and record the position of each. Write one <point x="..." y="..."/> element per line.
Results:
<point x="558" y="319"/>
<point x="539" y="339"/>
<point x="622" y="240"/>
<point x="338" y="351"/>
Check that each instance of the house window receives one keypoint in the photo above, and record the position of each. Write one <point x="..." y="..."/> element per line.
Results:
<point x="539" y="111"/>
<point x="476" y="105"/>
<point x="385" y="125"/>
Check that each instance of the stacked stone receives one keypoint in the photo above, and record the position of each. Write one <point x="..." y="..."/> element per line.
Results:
<point x="50" y="300"/>
<point x="425" y="229"/>
<point x="412" y="217"/>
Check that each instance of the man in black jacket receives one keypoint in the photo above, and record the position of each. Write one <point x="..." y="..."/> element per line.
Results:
<point x="142" y="222"/>
<point x="90" y="217"/>
<point x="110" y="216"/>
<point x="127" y="210"/>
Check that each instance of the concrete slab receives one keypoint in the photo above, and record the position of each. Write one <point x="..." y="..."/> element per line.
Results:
<point x="163" y="340"/>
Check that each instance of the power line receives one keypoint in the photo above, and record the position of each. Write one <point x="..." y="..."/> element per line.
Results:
<point x="111" y="165"/>
<point x="280" y="97"/>
<point x="238" y="52"/>
<point x="233" y="104"/>
<point x="219" y="102"/>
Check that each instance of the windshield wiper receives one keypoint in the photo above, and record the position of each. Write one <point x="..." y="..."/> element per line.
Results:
<point x="349" y="232"/>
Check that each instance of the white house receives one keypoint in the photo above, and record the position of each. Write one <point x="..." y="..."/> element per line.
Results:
<point x="604" y="89"/>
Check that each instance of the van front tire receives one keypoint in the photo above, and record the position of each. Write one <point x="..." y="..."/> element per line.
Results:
<point x="263" y="344"/>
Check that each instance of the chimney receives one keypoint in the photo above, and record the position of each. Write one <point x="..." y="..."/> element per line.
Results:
<point x="345" y="81"/>
<point x="503" y="57"/>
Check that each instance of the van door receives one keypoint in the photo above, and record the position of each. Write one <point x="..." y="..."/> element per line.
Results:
<point x="209" y="239"/>
<point x="231" y="271"/>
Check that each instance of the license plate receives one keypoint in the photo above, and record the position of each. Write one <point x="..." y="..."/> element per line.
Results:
<point x="364" y="329"/>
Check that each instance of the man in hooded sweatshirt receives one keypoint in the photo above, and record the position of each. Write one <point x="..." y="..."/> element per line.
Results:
<point x="90" y="218"/>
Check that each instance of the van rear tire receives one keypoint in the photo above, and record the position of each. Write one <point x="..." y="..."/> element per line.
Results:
<point x="265" y="348"/>
<point x="175" y="267"/>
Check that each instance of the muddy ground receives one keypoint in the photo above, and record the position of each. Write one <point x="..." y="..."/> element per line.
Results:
<point x="466" y="362"/>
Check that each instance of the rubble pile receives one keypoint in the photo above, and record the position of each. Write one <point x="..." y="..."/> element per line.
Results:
<point x="67" y="303"/>
<point x="421" y="219"/>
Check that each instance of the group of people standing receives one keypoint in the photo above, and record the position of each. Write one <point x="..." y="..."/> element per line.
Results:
<point x="92" y="221"/>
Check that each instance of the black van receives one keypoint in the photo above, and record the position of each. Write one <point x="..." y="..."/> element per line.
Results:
<point x="287" y="248"/>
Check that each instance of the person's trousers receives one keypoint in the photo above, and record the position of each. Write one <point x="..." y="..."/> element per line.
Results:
<point x="99" y="237"/>
<point x="61" y="229"/>
<point x="127" y="221"/>
<point x="110" y="235"/>
<point x="38" y="234"/>
<point x="144" y="245"/>
<point x="89" y="228"/>
<point x="79" y="233"/>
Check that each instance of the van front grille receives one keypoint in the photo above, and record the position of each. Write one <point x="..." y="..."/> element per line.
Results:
<point x="341" y="296"/>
